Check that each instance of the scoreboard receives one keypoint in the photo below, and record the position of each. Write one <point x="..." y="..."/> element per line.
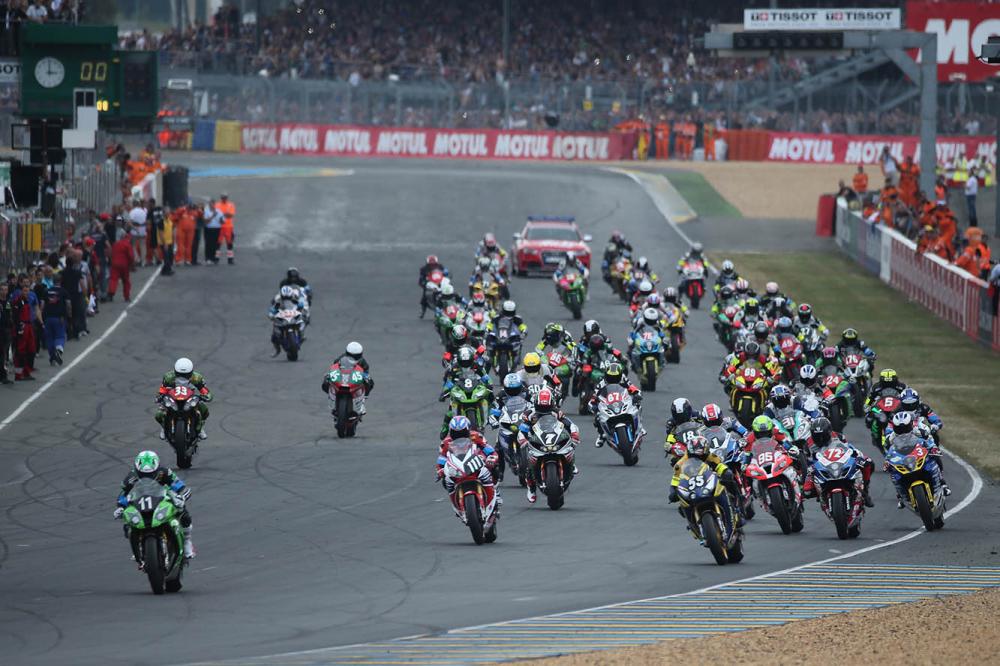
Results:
<point x="59" y="60"/>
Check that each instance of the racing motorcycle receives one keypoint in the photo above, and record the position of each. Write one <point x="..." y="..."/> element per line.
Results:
<point x="791" y="357"/>
<point x="551" y="451"/>
<point x="561" y="366"/>
<point x="477" y="323"/>
<point x="347" y="395"/>
<point x="152" y="521"/>
<point x="748" y="394"/>
<point x="693" y="281"/>
<point x="713" y="523"/>
<point x="859" y="372"/>
<point x="470" y="398"/>
<point x="910" y="456"/>
<point x="431" y="289"/>
<point x="619" y="424"/>
<point x="880" y="414"/>
<point x="838" y="406"/>
<point x="647" y="358"/>
<point x="181" y="420"/>
<point x="674" y="324"/>
<point x="475" y="504"/>
<point x="289" y="331"/>
<point x="619" y="277"/>
<point x="504" y="344"/>
<point x="726" y="446"/>
<point x="795" y="424"/>
<point x="572" y="292"/>
<point x="812" y="343"/>
<point x="777" y="483"/>
<point x="446" y="320"/>
<point x="840" y="485"/>
<point x="507" y="442"/>
<point x="591" y="375"/>
<point x="680" y="437"/>
<point x="728" y="326"/>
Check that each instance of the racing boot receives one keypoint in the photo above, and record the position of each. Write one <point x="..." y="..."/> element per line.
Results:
<point x="189" y="553"/>
<point x="531" y="495"/>
<point x="809" y="487"/>
<point x="868" y="498"/>
<point x="599" y="442"/>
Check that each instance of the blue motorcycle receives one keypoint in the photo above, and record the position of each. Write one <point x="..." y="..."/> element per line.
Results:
<point x="840" y="486"/>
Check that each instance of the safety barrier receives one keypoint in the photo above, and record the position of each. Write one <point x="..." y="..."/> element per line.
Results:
<point x="952" y="294"/>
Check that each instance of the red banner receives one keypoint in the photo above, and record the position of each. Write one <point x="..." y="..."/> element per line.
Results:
<point x="862" y="148"/>
<point x="359" y="141"/>
<point x="962" y="29"/>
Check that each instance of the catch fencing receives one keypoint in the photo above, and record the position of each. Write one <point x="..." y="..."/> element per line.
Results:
<point x="952" y="294"/>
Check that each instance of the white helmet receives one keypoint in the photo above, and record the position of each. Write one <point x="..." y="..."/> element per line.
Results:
<point x="509" y="308"/>
<point x="484" y="262"/>
<point x="651" y="316"/>
<point x="355" y="350"/>
<point x="184" y="367"/>
<point x="645" y="286"/>
<point x="288" y="291"/>
<point x="447" y="289"/>
<point x="642" y="264"/>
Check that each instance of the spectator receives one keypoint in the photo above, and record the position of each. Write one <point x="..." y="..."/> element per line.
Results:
<point x="152" y="251"/>
<point x="994" y="280"/>
<point x="6" y="328"/>
<point x="137" y="216"/>
<point x="38" y="12"/>
<point x="101" y="249"/>
<point x="56" y="312"/>
<point x="860" y="181"/>
<point x="975" y="258"/>
<point x="23" y="333"/>
<point x="122" y="265"/>
<point x="74" y="282"/>
<point x="213" y="225"/>
<point x="890" y="166"/>
<point x="971" y="190"/>
<point x="185" y="225"/>
<point x="165" y="231"/>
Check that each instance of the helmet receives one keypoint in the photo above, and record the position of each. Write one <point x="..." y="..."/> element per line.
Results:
<point x="545" y="402"/>
<point x="590" y="327"/>
<point x="532" y="362"/>
<point x="771" y="288"/>
<point x="614" y="373"/>
<point x="570" y="256"/>
<point x="781" y="396"/>
<point x="509" y="308"/>
<point x="849" y="336"/>
<point x="147" y="462"/>
<point x="740" y="345"/>
<point x="466" y="356"/>
<point x="651" y="316"/>
<point x="784" y="325"/>
<point x="596" y="341"/>
<point x="293" y="272"/>
<point x="432" y="259"/>
<point x="807" y="373"/>
<point x="698" y="446"/>
<point x="489" y="240"/>
<point x="354" y="350"/>
<point x="680" y="410"/>
<point x="726" y="292"/>
<point x="642" y="263"/>
<point x="762" y="426"/>
<point x="696" y="248"/>
<point x="484" y="262"/>
<point x="805" y="312"/>
<point x="761" y="331"/>
<point x="184" y="367"/>
<point x="711" y="414"/>
<point x="909" y="400"/>
<point x="902" y="422"/>
<point x="653" y="300"/>
<point x="553" y="333"/>
<point x="829" y="353"/>
<point x="645" y="287"/>
<point x="752" y="306"/>
<point x="451" y="312"/>
<point x="617" y="237"/>
<point x="822" y="431"/>
<point x="728" y="268"/>
<point x="752" y="348"/>
<point x="512" y="384"/>
<point x="459" y="333"/>
<point x="447" y="290"/>
<point x="742" y="286"/>
<point x="611" y="248"/>
<point x="288" y="291"/>
<point x="887" y="376"/>
<point x="459" y="426"/>
<point x="670" y="295"/>
<point x="479" y="298"/>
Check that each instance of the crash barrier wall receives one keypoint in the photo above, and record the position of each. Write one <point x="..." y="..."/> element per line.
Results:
<point x="227" y="136"/>
<point x="965" y="301"/>
<point x="361" y="141"/>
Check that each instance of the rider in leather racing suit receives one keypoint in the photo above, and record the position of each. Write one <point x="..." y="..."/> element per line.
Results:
<point x="459" y="427"/>
<point x="353" y="355"/>
<point x="698" y="448"/>
<point x="294" y="279"/>
<point x="614" y="379"/>
<point x="288" y="298"/>
<point x="823" y="435"/>
<point x="147" y="466"/>
<point x="545" y="403"/>
<point x="184" y="371"/>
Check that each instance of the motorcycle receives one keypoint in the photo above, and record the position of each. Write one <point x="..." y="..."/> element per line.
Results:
<point x="728" y="326"/>
<point x="748" y="394"/>
<point x="289" y="325"/>
<point x="573" y="292"/>
<point x="619" y="277"/>
<point x="838" y="407"/>
<point x="551" y="451"/>
<point x="507" y="443"/>
<point x="910" y="456"/>
<point x="347" y="394"/>
<point x="647" y="358"/>
<point x="859" y="372"/>
<point x="477" y="323"/>
<point x="795" y="424"/>
<point x="431" y="289"/>
<point x="812" y="343"/>
<point x="470" y="398"/>
<point x="475" y="504"/>
<point x="591" y="374"/>
<point x="713" y="523"/>
<point x="152" y="520"/>
<point x="674" y="324"/>
<point x="683" y="434"/>
<point x="791" y="357"/>
<point x="777" y="483"/>
<point x="726" y="446"/>
<point x="619" y="424"/>
<point x="840" y="485"/>
<point x="881" y="414"/>
<point x="181" y="421"/>
<point x="693" y="281"/>
<point x="561" y="366"/>
<point x="504" y="344"/>
<point x="446" y="320"/>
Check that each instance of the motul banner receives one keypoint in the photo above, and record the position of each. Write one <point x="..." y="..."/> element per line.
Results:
<point x="864" y="148"/>
<point x="962" y="29"/>
<point x="358" y="141"/>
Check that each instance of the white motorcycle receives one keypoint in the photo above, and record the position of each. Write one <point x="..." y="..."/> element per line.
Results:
<point x="619" y="424"/>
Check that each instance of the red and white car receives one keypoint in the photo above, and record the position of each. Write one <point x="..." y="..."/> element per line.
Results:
<point x="544" y="242"/>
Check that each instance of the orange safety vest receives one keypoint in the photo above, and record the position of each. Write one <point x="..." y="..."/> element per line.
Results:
<point x="228" y="210"/>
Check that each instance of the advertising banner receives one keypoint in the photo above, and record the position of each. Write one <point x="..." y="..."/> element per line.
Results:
<point x="844" y="18"/>
<point x="866" y="148"/>
<point x="962" y="29"/>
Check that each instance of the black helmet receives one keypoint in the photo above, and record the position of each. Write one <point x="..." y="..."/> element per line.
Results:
<point x="805" y="312"/>
<point x="726" y="292"/>
<point x="761" y="331"/>
<point x="596" y="341"/>
<point x="293" y="273"/>
<point x="822" y="431"/>
<point x="849" y="337"/>
<point x="680" y="411"/>
<point x="784" y="325"/>
<point x="752" y="348"/>
<point x="752" y="306"/>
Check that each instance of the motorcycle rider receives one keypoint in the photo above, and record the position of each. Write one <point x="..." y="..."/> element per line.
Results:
<point x="694" y="254"/>
<point x="727" y="275"/>
<point x="288" y="298"/>
<point x="823" y="435"/>
<point x="910" y="402"/>
<point x="508" y="310"/>
<point x="808" y="318"/>
<point x="713" y="416"/>
<point x="771" y="294"/>
<point x="570" y="262"/>
<point x="780" y="307"/>
<point x="681" y="412"/>
<point x="465" y="361"/>
<point x="536" y="373"/>
<point x="431" y="264"/>
<point x="489" y="248"/>
<point x="294" y="279"/>
<point x="698" y="448"/>
<point x="512" y="388"/>
<point x="642" y="264"/>
<point x="620" y="242"/>
<point x="902" y="424"/>
<point x="614" y="380"/>
<point x="888" y="381"/>
<point x="750" y="315"/>
<point x="743" y="291"/>
<point x="448" y="296"/>
<point x="763" y="427"/>
<point x="754" y="355"/>
<point x="808" y="383"/>
<point x="830" y="358"/>
<point x="354" y="355"/>
<point x="147" y="466"/>
<point x="459" y="427"/>
<point x="851" y="342"/>
<point x="555" y="336"/>
<point x="762" y="336"/>
<point x="458" y="338"/>
<point x="184" y="372"/>
<point x="650" y="323"/>
<point x="545" y="403"/>
<point x="640" y="291"/>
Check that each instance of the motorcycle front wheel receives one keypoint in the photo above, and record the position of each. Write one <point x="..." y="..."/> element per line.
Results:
<point x="153" y="562"/>
<point x="838" y="511"/>
<point x="473" y="519"/>
<point x="180" y="442"/>
<point x="713" y="537"/>
<point x="776" y="500"/>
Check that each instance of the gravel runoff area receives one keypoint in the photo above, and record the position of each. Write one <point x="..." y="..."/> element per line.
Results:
<point x="945" y="630"/>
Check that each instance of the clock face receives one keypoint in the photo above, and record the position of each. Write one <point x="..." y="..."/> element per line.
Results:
<point x="49" y="72"/>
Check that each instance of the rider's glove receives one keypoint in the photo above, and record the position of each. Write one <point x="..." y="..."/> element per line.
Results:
<point x="672" y="497"/>
<point x="118" y="512"/>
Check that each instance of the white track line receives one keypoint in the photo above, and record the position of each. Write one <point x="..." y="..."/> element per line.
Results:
<point x="72" y="364"/>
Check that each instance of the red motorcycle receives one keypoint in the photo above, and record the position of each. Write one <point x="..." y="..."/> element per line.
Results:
<point x="347" y="393"/>
<point x="474" y="504"/>
<point x="748" y="394"/>
<point x="181" y="419"/>
<point x="693" y="281"/>
<point x="777" y="483"/>
<point x="431" y="290"/>
<point x="791" y="357"/>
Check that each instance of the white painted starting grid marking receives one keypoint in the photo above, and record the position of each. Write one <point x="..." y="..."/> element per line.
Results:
<point x="806" y="592"/>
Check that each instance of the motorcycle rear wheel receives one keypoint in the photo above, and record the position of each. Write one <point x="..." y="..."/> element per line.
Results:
<point x="713" y="537"/>
<point x="776" y="500"/>
<point x="153" y="562"/>
<point x="649" y="370"/>
<point x="473" y="519"/>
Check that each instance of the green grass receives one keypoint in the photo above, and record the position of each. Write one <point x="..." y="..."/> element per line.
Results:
<point x="958" y="377"/>
<point x="701" y="196"/>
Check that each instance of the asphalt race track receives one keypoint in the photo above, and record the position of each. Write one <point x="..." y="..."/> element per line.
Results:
<point x="306" y="541"/>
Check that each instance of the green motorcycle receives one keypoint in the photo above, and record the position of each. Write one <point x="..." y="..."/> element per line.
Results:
<point x="573" y="292"/>
<point x="470" y="397"/>
<point x="152" y="521"/>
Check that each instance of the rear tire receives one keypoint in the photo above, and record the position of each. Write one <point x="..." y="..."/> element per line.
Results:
<point x="153" y="562"/>
<point x="838" y="510"/>
<point x="838" y="416"/>
<point x="776" y="500"/>
<point x="924" y="507"/>
<point x="474" y="520"/>
<point x="713" y="538"/>
<point x="650" y="370"/>
<point x="675" y="348"/>
<point x="858" y="399"/>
